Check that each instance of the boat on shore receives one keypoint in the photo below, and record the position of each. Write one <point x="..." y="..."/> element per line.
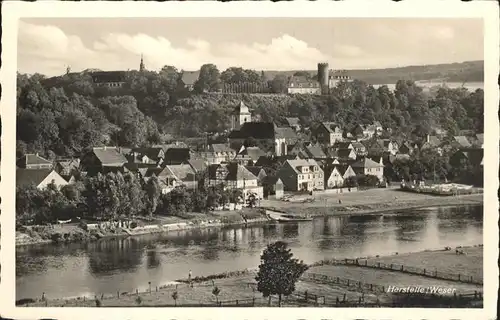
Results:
<point x="284" y="217"/>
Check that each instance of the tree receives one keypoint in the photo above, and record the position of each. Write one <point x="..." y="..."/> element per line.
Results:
<point x="278" y="271"/>
<point x="215" y="292"/>
<point x="208" y="80"/>
<point x="175" y="296"/>
<point x="153" y="193"/>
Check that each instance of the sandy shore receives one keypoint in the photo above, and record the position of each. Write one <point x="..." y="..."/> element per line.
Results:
<point x="241" y="286"/>
<point x="373" y="201"/>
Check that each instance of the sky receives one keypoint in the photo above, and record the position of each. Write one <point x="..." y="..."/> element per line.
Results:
<point x="49" y="45"/>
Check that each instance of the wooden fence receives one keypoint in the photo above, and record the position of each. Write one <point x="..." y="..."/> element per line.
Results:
<point x="431" y="273"/>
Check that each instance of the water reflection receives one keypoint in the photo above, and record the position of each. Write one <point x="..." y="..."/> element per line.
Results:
<point x="122" y="264"/>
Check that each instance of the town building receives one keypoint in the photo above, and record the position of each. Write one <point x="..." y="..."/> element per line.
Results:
<point x="219" y="153"/>
<point x="240" y="116"/>
<point x="293" y="123"/>
<point x="328" y="133"/>
<point x="40" y="178"/>
<point x="301" y="175"/>
<point x="234" y="176"/>
<point x="303" y="85"/>
<point x="110" y="79"/>
<point x="249" y="155"/>
<point x="103" y="160"/>
<point x="153" y="155"/>
<point x="336" y="175"/>
<point x="273" y="187"/>
<point x="33" y="161"/>
<point x="367" y="166"/>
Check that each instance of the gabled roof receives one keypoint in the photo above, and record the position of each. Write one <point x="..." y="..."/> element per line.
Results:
<point x="270" y="180"/>
<point x="462" y="141"/>
<point x="358" y="145"/>
<point x="241" y="108"/>
<point x="434" y="141"/>
<point x="255" y="170"/>
<point x="235" y="172"/>
<point x="257" y="130"/>
<point x="331" y="126"/>
<point x="315" y="151"/>
<point x="183" y="172"/>
<point x="342" y="168"/>
<point x="295" y="164"/>
<point x="366" y="163"/>
<point x="344" y="153"/>
<point x="480" y="137"/>
<point x="342" y="144"/>
<point x="474" y="155"/>
<point x="109" y="156"/>
<point x="198" y="165"/>
<point x="302" y="82"/>
<point x="221" y="148"/>
<point x="293" y="121"/>
<point x="26" y="177"/>
<point x="152" y="153"/>
<point x="189" y="77"/>
<point x="32" y="159"/>
<point x="253" y="153"/>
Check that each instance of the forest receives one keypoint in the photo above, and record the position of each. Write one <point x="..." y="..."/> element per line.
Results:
<point x="66" y="115"/>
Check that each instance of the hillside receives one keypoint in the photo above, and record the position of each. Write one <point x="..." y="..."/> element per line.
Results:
<point x="469" y="71"/>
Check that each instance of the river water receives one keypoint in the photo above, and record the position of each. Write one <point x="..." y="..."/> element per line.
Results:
<point x="129" y="263"/>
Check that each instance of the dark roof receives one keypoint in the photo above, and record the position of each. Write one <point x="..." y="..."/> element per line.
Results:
<point x="270" y="180"/>
<point x="344" y="153"/>
<point x="235" y="172"/>
<point x="366" y="163"/>
<point x="462" y="141"/>
<point x="108" y="76"/>
<point x="109" y="156"/>
<point x="258" y="130"/>
<point x="32" y="159"/>
<point x="190" y="77"/>
<point x="221" y="148"/>
<point x="26" y="177"/>
<point x="480" y="137"/>
<point x="331" y="126"/>
<point x="182" y="172"/>
<point x="178" y="154"/>
<point x="254" y="170"/>
<point x="315" y="151"/>
<point x="358" y="145"/>
<point x="475" y="155"/>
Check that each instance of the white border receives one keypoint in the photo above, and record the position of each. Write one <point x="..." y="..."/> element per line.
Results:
<point x="12" y="11"/>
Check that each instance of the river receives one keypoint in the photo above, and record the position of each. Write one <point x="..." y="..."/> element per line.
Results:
<point x="128" y="263"/>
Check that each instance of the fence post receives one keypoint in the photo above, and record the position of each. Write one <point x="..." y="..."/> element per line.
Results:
<point x="391" y="266"/>
<point x="236" y="302"/>
<point x="345" y="261"/>
<point x="366" y="262"/>
<point x="137" y="291"/>
<point x="475" y="294"/>
<point x="378" y="264"/>
<point x="402" y="267"/>
<point x="347" y="282"/>
<point x="344" y="297"/>
<point x="424" y="271"/>
<point x="336" y="300"/>
<point x="459" y="277"/>
<point x="470" y="278"/>
<point x="359" y="300"/>
<point x="253" y="301"/>
<point x="338" y="280"/>
<point x="454" y="296"/>
<point x="118" y="294"/>
<point x="371" y="286"/>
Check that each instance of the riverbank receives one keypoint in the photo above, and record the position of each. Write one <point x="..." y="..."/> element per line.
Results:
<point x="368" y="202"/>
<point x="239" y="288"/>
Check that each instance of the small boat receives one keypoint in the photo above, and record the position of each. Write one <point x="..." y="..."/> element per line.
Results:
<point x="283" y="217"/>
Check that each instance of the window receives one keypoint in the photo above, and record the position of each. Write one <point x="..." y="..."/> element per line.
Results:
<point x="308" y="176"/>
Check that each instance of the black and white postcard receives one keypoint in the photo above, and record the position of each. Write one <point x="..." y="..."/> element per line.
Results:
<point x="306" y="159"/>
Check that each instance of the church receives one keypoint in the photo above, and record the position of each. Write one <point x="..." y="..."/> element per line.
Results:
<point x="266" y="135"/>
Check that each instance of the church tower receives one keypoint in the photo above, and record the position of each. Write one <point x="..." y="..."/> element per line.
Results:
<point x="141" y="66"/>
<point x="240" y="116"/>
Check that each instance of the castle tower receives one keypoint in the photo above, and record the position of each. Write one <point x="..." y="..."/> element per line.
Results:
<point x="323" y="77"/>
<point x="241" y="115"/>
<point x="142" y="67"/>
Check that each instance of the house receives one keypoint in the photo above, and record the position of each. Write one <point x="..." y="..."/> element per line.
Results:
<point x="301" y="175"/>
<point x="431" y="142"/>
<point x="219" y="153"/>
<point x="110" y="79"/>
<point x="258" y="172"/>
<point x="241" y="114"/>
<point x="389" y="146"/>
<point x="343" y="145"/>
<point x="103" y="160"/>
<point x="33" y="161"/>
<point x="234" y="176"/>
<point x="199" y="166"/>
<point x="467" y="156"/>
<point x="362" y="131"/>
<point x="293" y="123"/>
<point x="178" y="155"/>
<point x="346" y="154"/>
<point x="273" y="186"/>
<point x="265" y="135"/>
<point x="374" y="147"/>
<point x="188" y="79"/>
<point x="303" y="85"/>
<point x="359" y="148"/>
<point x="406" y="148"/>
<point x="67" y="167"/>
<point x="461" y="142"/>
<point x="298" y="149"/>
<point x="40" y="178"/>
<point x="367" y="166"/>
<point x="154" y="155"/>
<point x="314" y="151"/>
<point x="335" y="175"/>
<point x="249" y="155"/>
<point x="182" y="175"/>
<point x="327" y="133"/>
